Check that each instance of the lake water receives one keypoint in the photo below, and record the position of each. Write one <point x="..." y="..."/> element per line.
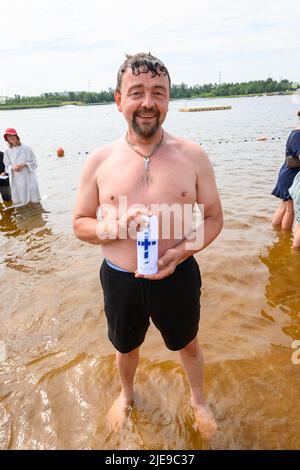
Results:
<point x="59" y="378"/>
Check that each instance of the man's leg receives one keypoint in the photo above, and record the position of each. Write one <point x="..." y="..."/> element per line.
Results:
<point x="126" y="365"/>
<point x="192" y="362"/>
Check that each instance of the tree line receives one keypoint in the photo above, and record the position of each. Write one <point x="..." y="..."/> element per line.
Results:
<point x="255" y="87"/>
<point x="183" y="90"/>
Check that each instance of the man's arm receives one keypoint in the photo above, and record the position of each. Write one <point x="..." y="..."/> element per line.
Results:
<point x="86" y="226"/>
<point x="208" y="198"/>
<point x="85" y="223"/>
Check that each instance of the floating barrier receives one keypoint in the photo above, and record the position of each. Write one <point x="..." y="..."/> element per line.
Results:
<point x="250" y="139"/>
<point x="206" y="108"/>
<point x="60" y="152"/>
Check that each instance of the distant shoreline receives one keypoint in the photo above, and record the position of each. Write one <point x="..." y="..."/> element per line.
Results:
<point x="12" y="107"/>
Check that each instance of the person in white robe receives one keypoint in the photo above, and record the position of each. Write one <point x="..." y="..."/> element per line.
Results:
<point x="20" y="163"/>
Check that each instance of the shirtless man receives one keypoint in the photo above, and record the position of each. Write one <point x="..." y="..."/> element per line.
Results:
<point x="150" y="167"/>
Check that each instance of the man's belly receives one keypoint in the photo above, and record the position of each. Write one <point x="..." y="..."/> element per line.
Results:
<point x="123" y="253"/>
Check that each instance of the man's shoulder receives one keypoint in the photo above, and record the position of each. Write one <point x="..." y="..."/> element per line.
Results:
<point x="188" y="148"/>
<point x="102" y="151"/>
<point x="101" y="154"/>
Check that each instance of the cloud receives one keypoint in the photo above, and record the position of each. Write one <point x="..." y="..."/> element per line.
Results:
<point x="54" y="45"/>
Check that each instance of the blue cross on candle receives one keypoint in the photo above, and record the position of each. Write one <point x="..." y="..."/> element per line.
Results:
<point x="146" y="243"/>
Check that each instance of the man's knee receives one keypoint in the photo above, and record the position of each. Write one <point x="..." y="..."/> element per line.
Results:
<point x="129" y="354"/>
<point x="192" y="348"/>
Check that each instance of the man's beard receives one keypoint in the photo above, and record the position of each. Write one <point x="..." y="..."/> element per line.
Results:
<point x="146" y="131"/>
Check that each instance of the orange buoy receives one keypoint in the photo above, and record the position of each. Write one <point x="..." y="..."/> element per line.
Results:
<point x="60" y="152"/>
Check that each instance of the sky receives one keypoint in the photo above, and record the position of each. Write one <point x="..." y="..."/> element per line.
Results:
<point x="58" y="45"/>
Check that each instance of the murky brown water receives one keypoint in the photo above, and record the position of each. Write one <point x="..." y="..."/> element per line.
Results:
<point x="59" y="378"/>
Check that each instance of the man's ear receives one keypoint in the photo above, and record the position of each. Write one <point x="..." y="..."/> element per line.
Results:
<point x="117" y="96"/>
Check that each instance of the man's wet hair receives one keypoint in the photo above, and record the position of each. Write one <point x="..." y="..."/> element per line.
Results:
<point x="142" y="63"/>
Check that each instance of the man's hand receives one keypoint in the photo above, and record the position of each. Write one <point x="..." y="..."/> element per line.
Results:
<point x="132" y="222"/>
<point x="120" y="226"/>
<point x="166" y="265"/>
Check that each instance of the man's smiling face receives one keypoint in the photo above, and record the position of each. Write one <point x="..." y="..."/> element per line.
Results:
<point x="144" y="101"/>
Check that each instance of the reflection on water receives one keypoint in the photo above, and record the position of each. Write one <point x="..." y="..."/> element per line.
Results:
<point x="58" y="379"/>
<point x="18" y="221"/>
<point x="28" y="225"/>
<point x="282" y="289"/>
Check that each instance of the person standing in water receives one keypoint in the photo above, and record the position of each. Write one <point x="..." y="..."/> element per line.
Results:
<point x="295" y="193"/>
<point x="285" y="214"/>
<point x="149" y="166"/>
<point x="20" y="164"/>
<point x="4" y="181"/>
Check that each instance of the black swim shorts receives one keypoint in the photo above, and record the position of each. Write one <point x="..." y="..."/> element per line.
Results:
<point x="173" y="304"/>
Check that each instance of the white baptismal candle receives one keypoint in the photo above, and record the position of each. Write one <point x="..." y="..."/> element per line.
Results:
<point x="147" y="247"/>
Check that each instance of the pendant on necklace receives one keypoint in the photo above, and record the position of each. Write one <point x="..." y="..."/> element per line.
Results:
<point x="146" y="170"/>
<point x="147" y="158"/>
<point x="146" y="163"/>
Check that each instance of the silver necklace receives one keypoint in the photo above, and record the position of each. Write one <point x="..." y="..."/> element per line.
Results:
<point x="145" y="156"/>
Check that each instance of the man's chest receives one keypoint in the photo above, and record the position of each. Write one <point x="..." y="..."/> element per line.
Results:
<point x="163" y="183"/>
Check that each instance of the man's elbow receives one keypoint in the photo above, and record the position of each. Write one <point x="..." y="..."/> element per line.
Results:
<point x="220" y="223"/>
<point x="85" y="229"/>
<point x="77" y="227"/>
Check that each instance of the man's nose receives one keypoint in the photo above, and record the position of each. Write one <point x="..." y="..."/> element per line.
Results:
<point x="148" y="101"/>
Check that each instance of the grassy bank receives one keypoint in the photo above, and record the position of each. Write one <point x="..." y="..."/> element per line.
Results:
<point x="81" y="103"/>
<point x="7" y="107"/>
<point x="29" y="106"/>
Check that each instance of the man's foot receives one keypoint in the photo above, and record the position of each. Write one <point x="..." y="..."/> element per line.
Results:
<point x="119" y="411"/>
<point x="205" y="422"/>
